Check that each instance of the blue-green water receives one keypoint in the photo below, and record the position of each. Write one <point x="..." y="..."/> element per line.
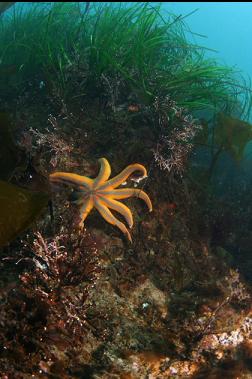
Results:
<point x="227" y="28"/>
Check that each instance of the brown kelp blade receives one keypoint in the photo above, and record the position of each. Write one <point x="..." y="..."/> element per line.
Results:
<point x="233" y="134"/>
<point x="18" y="209"/>
<point x="4" y="6"/>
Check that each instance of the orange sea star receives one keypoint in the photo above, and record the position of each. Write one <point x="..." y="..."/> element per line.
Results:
<point x="102" y="194"/>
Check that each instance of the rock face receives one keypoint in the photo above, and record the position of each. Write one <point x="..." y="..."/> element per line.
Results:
<point x="91" y="305"/>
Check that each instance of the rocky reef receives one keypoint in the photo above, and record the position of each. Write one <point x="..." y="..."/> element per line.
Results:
<point x="174" y="303"/>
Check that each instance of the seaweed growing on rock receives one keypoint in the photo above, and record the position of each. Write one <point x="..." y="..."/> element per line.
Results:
<point x="179" y="130"/>
<point x="44" y="318"/>
<point x="147" y="55"/>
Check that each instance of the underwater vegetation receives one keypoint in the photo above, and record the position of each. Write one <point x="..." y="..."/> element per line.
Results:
<point x="221" y="135"/>
<point x="5" y="5"/>
<point x="121" y="81"/>
<point x="231" y="135"/>
<point x="112" y="50"/>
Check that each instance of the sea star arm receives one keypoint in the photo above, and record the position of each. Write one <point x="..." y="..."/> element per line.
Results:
<point x="104" y="173"/>
<point x="120" y="208"/>
<point x="71" y="179"/>
<point x="108" y="216"/>
<point x="85" y="209"/>
<point x="124" y="193"/>
<point x="122" y="177"/>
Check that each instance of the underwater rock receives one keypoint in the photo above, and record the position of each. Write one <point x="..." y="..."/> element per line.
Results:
<point x="10" y="154"/>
